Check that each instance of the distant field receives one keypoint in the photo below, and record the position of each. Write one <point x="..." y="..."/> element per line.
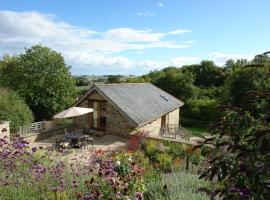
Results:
<point x="83" y="87"/>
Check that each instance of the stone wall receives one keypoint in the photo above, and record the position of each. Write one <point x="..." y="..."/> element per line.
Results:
<point x="4" y="130"/>
<point x="153" y="128"/>
<point x="173" y="117"/>
<point x="117" y="124"/>
<point x="83" y="120"/>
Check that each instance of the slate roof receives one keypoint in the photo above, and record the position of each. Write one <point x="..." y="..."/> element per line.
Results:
<point x="141" y="103"/>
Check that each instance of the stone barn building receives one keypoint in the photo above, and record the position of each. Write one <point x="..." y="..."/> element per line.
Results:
<point x="119" y="109"/>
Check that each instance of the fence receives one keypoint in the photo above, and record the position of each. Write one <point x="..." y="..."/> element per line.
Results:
<point x="173" y="131"/>
<point x="33" y="128"/>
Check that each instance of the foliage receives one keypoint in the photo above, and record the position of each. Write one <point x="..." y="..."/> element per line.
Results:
<point x="136" y="140"/>
<point x="168" y="155"/>
<point x="114" y="79"/>
<point x="82" y="81"/>
<point x="240" y="161"/>
<point x="142" y="79"/>
<point x="201" y="109"/>
<point x="244" y="77"/>
<point x="232" y="66"/>
<point x="150" y="147"/>
<point x="14" y="109"/>
<point x="165" y="161"/>
<point x="176" y="186"/>
<point x="42" y="78"/>
<point x="206" y="73"/>
<point x="176" y="83"/>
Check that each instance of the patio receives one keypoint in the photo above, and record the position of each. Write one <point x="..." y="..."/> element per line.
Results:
<point x="106" y="142"/>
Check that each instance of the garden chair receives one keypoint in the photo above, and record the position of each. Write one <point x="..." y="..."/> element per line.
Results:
<point x="67" y="133"/>
<point x="85" y="141"/>
<point x="61" y="143"/>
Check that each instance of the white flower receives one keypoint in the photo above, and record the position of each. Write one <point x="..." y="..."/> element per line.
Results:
<point x="118" y="163"/>
<point x="130" y="159"/>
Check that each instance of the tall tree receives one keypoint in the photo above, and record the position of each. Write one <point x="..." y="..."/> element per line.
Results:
<point x="206" y="73"/>
<point x="42" y="78"/>
<point x="176" y="83"/>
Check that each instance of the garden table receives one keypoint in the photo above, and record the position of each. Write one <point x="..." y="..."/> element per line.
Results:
<point x="74" y="138"/>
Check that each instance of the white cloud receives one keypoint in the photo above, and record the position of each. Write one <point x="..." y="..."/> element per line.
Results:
<point x="221" y="58"/>
<point x="145" y="14"/>
<point x="80" y="46"/>
<point x="151" y="65"/>
<point x="176" y="61"/>
<point x="98" y="60"/>
<point x="127" y="35"/>
<point x="179" y="31"/>
<point x="161" y="4"/>
<point x="184" y="60"/>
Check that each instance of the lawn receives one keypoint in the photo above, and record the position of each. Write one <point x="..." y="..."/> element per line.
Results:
<point x="197" y="131"/>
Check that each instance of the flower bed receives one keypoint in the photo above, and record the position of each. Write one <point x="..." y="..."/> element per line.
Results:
<point x="41" y="174"/>
<point x="170" y="156"/>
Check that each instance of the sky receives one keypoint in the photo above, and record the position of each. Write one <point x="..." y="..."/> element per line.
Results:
<point x="136" y="36"/>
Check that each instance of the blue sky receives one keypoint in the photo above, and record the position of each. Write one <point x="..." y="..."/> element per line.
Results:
<point x="136" y="36"/>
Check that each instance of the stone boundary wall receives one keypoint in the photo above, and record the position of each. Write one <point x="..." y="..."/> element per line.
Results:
<point x="45" y="134"/>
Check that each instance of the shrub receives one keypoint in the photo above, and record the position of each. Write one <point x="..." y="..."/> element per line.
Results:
<point x="177" y="186"/>
<point x="151" y="147"/>
<point x="14" y="109"/>
<point x="240" y="158"/>
<point x="165" y="161"/>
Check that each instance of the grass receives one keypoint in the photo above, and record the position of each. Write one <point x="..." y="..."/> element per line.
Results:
<point x="197" y="131"/>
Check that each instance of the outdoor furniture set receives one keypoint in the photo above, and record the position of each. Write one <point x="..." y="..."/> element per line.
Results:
<point x="75" y="138"/>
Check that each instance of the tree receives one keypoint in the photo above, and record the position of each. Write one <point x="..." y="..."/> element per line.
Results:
<point x="238" y="84"/>
<point x="114" y="79"/>
<point x="82" y="81"/>
<point x="42" y="78"/>
<point x="240" y="158"/>
<point x="232" y="66"/>
<point x="206" y="73"/>
<point x="203" y="109"/>
<point x="14" y="109"/>
<point x="176" y="83"/>
<point x="141" y="79"/>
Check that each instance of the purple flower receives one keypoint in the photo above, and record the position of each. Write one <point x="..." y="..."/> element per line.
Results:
<point x="34" y="149"/>
<point x="88" y="197"/>
<point x="4" y="130"/>
<point x="244" y="192"/>
<point x="139" y="196"/>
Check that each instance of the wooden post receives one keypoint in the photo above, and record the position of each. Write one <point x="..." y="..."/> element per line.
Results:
<point x="187" y="162"/>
